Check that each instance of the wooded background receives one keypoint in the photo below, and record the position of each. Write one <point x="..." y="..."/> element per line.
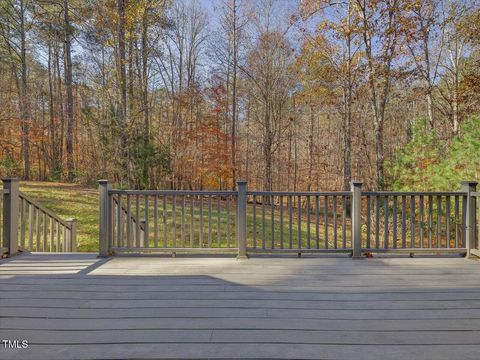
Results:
<point x="297" y="95"/>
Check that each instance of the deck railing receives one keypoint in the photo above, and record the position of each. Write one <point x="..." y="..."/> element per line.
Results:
<point x="298" y="221"/>
<point x="172" y="221"/>
<point x="414" y="220"/>
<point x="356" y="222"/>
<point x="27" y="225"/>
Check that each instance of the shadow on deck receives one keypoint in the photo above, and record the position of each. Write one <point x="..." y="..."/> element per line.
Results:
<point x="75" y="306"/>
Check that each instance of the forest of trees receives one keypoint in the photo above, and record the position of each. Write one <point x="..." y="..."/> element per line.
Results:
<point x="297" y="95"/>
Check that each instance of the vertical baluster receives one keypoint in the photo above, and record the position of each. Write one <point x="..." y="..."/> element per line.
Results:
<point x="404" y="221"/>
<point x="335" y="243"/>
<point x="22" y="222"/>
<point x="218" y="222"/>
<point x="344" y="221"/>
<point x="394" y="222"/>
<point x="281" y="221"/>
<point x="263" y="222"/>
<point x="113" y="206"/>
<point x="464" y="219"/>
<point x="146" y="231"/>
<point x="290" y="229"/>
<point x="308" y="220"/>
<point x="174" y="221"/>
<point x="430" y="220"/>
<point x="377" y="221"/>
<point x="183" y="221"/>
<point x="30" y="227"/>
<point x="422" y="216"/>
<point x="209" y="203"/>
<point x="412" y="221"/>
<point x="164" y="221"/>
<point x="235" y="222"/>
<point x="45" y="232"/>
<point x="272" y="223"/>
<point x="58" y="238"/>
<point x="439" y="221"/>
<point x="155" y="221"/>
<point x="52" y="234"/>
<point x="65" y="245"/>
<point x="37" y="219"/>
<point x="228" y="220"/>
<point x="299" y="225"/>
<point x="254" y="221"/>
<point x="317" y="222"/>
<point x="447" y="219"/>
<point x="128" y="220"/>
<point x="192" y="214"/>
<point x="137" y="220"/>
<point x="457" y="219"/>
<point x="68" y="239"/>
<point x="119" y="220"/>
<point x="325" y="215"/>
<point x="369" y="221"/>
<point x="385" y="222"/>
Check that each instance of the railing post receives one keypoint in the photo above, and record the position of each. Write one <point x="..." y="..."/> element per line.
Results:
<point x="73" y="234"/>
<point x="104" y="225"/>
<point x="242" y="219"/>
<point x="10" y="215"/>
<point x="356" y="213"/>
<point x="469" y="226"/>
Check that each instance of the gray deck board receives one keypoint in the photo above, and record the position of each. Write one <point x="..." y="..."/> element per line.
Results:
<point x="75" y="306"/>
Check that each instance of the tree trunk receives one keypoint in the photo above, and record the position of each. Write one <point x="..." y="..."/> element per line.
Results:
<point x="310" y="150"/>
<point x="347" y="124"/>
<point x="69" y="88"/>
<point x="60" y="104"/>
<point x="55" y="166"/>
<point x="24" y="102"/>
<point x="122" y="77"/>
<point x="146" y="120"/>
<point x="267" y="149"/>
<point x="431" y="121"/>
<point x="234" y="96"/>
<point x="455" y="104"/>
<point x="379" y="154"/>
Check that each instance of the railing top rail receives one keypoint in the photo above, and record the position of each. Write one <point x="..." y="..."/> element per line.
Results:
<point x="299" y="193"/>
<point x="410" y="193"/>
<point x="287" y="193"/>
<point x="475" y="193"/>
<point x="170" y="192"/>
<point x="45" y="210"/>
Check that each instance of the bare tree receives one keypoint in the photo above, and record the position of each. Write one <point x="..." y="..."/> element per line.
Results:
<point x="379" y="24"/>
<point x="425" y="40"/>
<point x="69" y="88"/>
<point x="13" y="29"/>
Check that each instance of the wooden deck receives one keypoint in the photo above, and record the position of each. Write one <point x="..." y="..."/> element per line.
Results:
<point x="79" y="307"/>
